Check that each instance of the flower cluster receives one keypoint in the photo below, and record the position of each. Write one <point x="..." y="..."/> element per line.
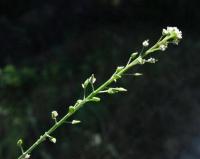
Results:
<point x="151" y="60"/>
<point x="169" y="35"/>
<point x="163" y="47"/>
<point x="173" y="31"/>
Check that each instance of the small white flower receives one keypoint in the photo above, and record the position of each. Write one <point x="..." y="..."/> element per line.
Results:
<point x="179" y="34"/>
<point x="53" y="140"/>
<point x="164" y="32"/>
<point x="171" y="29"/>
<point x="163" y="47"/>
<point x="168" y="31"/>
<point x="54" y="114"/>
<point x="151" y="60"/>
<point x="27" y="156"/>
<point x="145" y="43"/>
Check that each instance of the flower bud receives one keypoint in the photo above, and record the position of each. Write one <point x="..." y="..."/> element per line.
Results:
<point x="151" y="60"/>
<point x="116" y="90"/>
<point x="95" y="99"/>
<point x="92" y="79"/>
<point x="52" y="139"/>
<point x="71" y="109"/>
<point x="145" y="43"/>
<point x="19" y="142"/>
<point x="119" y="68"/>
<point x="137" y="74"/>
<point x="133" y="55"/>
<point x="76" y="122"/>
<point x="85" y="84"/>
<point x="54" y="114"/>
<point x="78" y="102"/>
<point x="27" y="156"/>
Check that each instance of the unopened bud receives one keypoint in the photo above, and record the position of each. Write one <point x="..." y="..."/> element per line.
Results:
<point x="71" y="109"/>
<point x="95" y="99"/>
<point x="116" y="90"/>
<point x="119" y="68"/>
<point x="78" y="102"/>
<point x="76" y="122"/>
<point x="145" y="43"/>
<point x="92" y="79"/>
<point x="52" y="139"/>
<point x="19" y="142"/>
<point x="137" y="74"/>
<point x="85" y="84"/>
<point x="133" y="55"/>
<point x="54" y="114"/>
<point x="27" y="156"/>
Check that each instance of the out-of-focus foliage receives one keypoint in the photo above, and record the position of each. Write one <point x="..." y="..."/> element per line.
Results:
<point x="11" y="77"/>
<point x="47" y="50"/>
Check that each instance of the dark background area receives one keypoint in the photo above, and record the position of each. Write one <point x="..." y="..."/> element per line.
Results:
<point x="48" y="48"/>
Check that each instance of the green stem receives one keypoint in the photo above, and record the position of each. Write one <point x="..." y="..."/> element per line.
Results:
<point x="101" y="88"/>
<point x="160" y="42"/>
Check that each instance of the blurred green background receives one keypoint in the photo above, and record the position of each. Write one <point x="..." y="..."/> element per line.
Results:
<point x="48" y="48"/>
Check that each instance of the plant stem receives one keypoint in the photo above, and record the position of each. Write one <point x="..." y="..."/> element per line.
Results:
<point x="77" y="106"/>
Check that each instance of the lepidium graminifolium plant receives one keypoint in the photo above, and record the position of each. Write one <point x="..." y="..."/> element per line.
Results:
<point x="169" y="35"/>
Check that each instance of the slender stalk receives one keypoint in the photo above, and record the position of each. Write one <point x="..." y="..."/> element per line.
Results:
<point x="78" y="106"/>
<point x="117" y="75"/>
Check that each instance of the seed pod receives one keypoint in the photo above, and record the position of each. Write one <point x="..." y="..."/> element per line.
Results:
<point x="133" y="55"/>
<point x="95" y="99"/>
<point x="76" y="122"/>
